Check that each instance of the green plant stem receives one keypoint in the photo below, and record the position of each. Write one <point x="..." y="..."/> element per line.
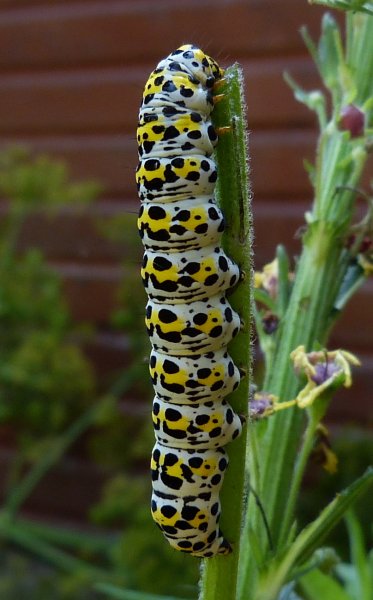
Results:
<point x="300" y="466"/>
<point x="220" y="574"/>
<point x="359" y="558"/>
<point x="253" y="459"/>
<point x="307" y="321"/>
<point x="304" y="323"/>
<point x="310" y="312"/>
<point x="320" y="272"/>
<point x="278" y="439"/>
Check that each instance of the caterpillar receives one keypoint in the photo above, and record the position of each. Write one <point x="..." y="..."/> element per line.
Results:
<point x="189" y="320"/>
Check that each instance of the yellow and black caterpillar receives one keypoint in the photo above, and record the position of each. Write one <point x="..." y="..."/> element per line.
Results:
<point x="189" y="320"/>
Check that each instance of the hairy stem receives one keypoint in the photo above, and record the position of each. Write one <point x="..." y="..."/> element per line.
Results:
<point x="220" y="574"/>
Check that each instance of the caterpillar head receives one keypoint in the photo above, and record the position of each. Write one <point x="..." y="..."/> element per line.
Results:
<point x="202" y="66"/>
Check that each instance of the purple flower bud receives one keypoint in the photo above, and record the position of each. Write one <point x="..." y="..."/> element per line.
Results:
<point x="259" y="406"/>
<point x="352" y="119"/>
<point x="324" y="371"/>
<point x="270" y="323"/>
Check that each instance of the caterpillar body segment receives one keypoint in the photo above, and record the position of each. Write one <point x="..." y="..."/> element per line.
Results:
<point x="188" y="276"/>
<point x="190" y="379"/>
<point x="188" y="512"/>
<point x="190" y="523"/>
<point x="204" y="425"/>
<point x="187" y="471"/>
<point x="173" y="129"/>
<point x="198" y="327"/>
<point x="189" y="320"/>
<point x="188" y="224"/>
<point x="177" y="177"/>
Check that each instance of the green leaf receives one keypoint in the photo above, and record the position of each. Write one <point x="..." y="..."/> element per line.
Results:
<point x="316" y="585"/>
<point x="353" y="5"/>
<point x="330" y="53"/>
<point x="359" y="558"/>
<point x="121" y="594"/>
<point x="353" y="279"/>
<point x="311" y="537"/>
<point x="261" y="297"/>
<point x="314" y="99"/>
<point x="359" y="57"/>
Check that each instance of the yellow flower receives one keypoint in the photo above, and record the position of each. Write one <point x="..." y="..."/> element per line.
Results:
<point x="324" y="371"/>
<point x="268" y="278"/>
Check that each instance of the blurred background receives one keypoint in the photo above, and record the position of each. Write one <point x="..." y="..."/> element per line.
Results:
<point x="73" y="373"/>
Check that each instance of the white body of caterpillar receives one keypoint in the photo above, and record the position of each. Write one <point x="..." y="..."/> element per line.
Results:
<point x="189" y="320"/>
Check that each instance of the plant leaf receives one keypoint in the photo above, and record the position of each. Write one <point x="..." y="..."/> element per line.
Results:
<point x="354" y="5"/>
<point x="359" y="558"/>
<point x="316" y="585"/>
<point x="311" y="537"/>
<point x="262" y="297"/>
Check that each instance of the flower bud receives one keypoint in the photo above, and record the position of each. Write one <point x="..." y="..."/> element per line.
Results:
<point x="325" y="371"/>
<point x="261" y="405"/>
<point x="352" y="119"/>
<point x="270" y="322"/>
<point x="268" y="278"/>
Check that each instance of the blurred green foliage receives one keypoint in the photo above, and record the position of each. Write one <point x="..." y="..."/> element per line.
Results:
<point x="39" y="183"/>
<point x="23" y="578"/>
<point x="45" y="380"/>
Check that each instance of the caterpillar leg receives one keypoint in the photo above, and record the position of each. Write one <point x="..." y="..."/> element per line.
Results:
<point x="219" y="83"/>
<point x="223" y="130"/>
<point x="218" y="98"/>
